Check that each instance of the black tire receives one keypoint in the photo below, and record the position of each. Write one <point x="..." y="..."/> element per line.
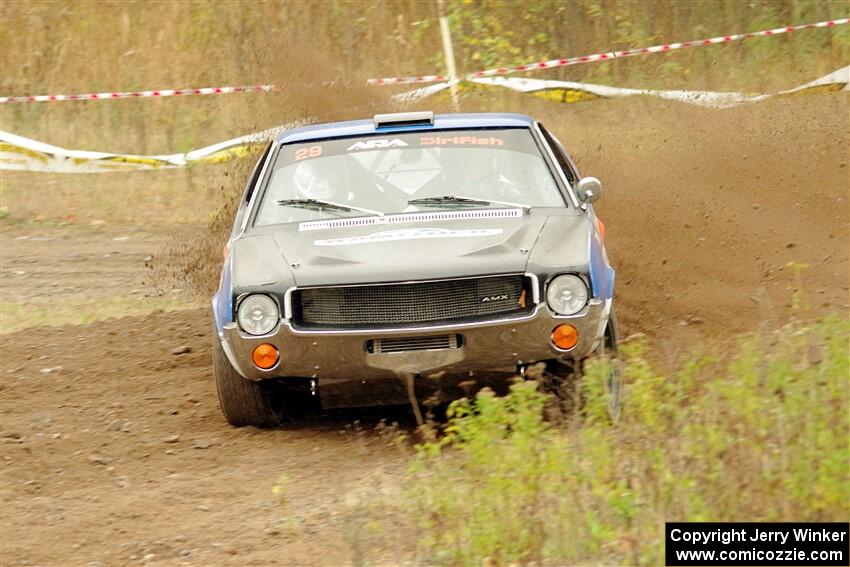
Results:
<point x="243" y="402"/>
<point x="563" y="382"/>
<point x="614" y="383"/>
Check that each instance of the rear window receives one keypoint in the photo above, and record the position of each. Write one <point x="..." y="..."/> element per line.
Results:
<point x="387" y="174"/>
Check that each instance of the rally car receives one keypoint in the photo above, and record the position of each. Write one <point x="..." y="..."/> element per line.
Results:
<point x="446" y="251"/>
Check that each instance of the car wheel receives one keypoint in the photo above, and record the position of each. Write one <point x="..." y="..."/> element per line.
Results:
<point x="614" y="379"/>
<point x="563" y="382"/>
<point x="242" y="401"/>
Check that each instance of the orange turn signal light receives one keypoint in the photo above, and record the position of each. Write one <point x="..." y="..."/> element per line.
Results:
<point x="265" y="356"/>
<point x="564" y="337"/>
<point x="600" y="226"/>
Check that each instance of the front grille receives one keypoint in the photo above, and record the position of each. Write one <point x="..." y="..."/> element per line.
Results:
<point x="411" y="304"/>
<point x="407" y="344"/>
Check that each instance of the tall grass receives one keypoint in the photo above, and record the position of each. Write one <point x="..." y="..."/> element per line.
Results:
<point x="759" y="433"/>
<point x="85" y="46"/>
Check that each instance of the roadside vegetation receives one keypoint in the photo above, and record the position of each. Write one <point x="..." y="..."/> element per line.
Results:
<point x="323" y="52"/>
<point x="756" y="433"/>
<point x="303" y="44"/>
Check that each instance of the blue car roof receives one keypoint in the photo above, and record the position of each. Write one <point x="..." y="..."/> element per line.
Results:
<point x="441" y="122"/>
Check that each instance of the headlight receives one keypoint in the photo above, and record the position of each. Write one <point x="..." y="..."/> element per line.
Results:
<point x="258" y="314"/>
<point x="566" y="295"/>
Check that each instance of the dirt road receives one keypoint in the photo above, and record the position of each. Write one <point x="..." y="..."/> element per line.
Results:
<point x="113" y="449"/>
<point x="116" y="466"/>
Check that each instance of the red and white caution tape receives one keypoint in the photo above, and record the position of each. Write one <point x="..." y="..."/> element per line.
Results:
<point x="550" y="64"/>
<point x="141" y="94"/>
<point x="607" y="56"/>
<point x="19" y="153"/>
<point x="407" y="80"/>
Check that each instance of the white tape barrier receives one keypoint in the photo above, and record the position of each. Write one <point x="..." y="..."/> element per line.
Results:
<point x="569" y="91"/>
<point x="24" y="154"/>
<point x="836" y="77"/>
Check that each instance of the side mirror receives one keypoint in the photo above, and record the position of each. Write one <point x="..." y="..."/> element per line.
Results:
<point x="589" y="189"/>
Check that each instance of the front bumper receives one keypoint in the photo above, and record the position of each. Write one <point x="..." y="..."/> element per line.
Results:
<point x="488" y="347"/>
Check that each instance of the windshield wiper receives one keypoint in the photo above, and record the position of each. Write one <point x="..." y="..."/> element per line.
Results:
<point x="451" y="200"/>
<point x="318" y="205"/>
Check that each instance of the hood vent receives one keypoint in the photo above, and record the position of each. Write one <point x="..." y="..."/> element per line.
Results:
<point x="404" y="218"/>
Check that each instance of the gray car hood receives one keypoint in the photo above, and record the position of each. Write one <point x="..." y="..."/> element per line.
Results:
<point x="408" y="251"/>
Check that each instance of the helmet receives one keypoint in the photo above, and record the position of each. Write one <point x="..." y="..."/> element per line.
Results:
<point x="312" y="180"/>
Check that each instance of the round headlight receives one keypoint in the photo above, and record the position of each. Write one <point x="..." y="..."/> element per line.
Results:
<point x="566" y="295"/>
<point x="258" y="314"/>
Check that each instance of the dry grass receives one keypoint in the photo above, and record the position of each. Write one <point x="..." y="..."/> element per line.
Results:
<point x="85" y="46"/>
<point x="82" y="311"/>
<point x="144" y="198"/>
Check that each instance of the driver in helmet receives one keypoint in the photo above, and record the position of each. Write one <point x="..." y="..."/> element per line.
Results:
<point x="312" y="181"/>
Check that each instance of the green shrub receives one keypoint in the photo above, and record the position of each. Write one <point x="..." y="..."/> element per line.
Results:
<point x="756" y="434"/>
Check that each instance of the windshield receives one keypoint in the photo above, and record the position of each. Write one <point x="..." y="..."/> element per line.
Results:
<point x="407" y="172"/>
